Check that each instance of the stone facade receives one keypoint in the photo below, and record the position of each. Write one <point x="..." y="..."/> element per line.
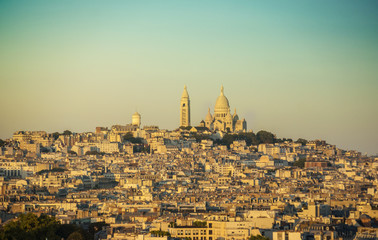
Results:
<point x="223" y="120"/>
<point x="185" y="109"/>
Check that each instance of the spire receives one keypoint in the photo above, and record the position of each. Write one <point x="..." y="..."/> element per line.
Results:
<point x="185" y="108"/>
<point x="208" y="116"/>
<point x="185" y="93"/>
<point x="235" y="111"/>
<point x="222" y="89"/>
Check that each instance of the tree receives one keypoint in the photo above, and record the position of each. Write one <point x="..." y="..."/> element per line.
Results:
<point x="228" y="139"/>
<point x="302" y="141"/>
<point x="56" y="135"/>
<point x="200" y="137"/>
<point x="65" y="230"/>
<point x="29" y="226"/>
<point x="265" y="137"/>
<point x="72" y="152"/>
<point x="300" y="163"/>
<point x="129" y="137"/>
<point x="52" y="170"/>
<point x="199" y="224"/>
<point x="77" y="235"/>
<point x="96" y="227"/>
<point x="186" y="128"/>
<point x="160" y="233"/>
<point x="94" y="153"/>
<point x="172" y="225"/>
<point x="2" y="143"/>
<point x="249" y="138"/>
<point x="67" y="132"/>
<point x="44" y="150"/>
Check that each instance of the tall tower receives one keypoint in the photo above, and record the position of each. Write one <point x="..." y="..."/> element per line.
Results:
<point x="185" y="109"/>
<point x="136" y="119"/>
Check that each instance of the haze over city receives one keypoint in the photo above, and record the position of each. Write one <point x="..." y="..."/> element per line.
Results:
<point x="298" y="69"/>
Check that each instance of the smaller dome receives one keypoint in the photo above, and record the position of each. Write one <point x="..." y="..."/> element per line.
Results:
<point x="235" y="116"/>
<point x="136" y="114"/>
<point x="208" y="116"/>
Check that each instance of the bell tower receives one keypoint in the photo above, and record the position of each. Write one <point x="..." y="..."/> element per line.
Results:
<point x="185" y="109"/>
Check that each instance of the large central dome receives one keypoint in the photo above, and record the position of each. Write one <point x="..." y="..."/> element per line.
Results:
<point x="222" y="105"/>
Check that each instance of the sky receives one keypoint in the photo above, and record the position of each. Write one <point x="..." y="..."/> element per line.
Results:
<point x="299" y="69"/>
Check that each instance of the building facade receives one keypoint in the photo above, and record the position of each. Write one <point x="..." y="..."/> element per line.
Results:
<point x="222" y="119"/>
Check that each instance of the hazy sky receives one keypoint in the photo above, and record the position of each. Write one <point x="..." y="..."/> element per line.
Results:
<point x="296" y="68"/>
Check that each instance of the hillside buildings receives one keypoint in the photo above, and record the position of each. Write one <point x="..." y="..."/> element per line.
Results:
<point x="156" y="184"/>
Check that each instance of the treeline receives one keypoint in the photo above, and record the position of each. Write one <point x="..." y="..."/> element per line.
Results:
<point x="56" y="134"/>
<point x="51" y="171"/>
<point x="250" y="138"/>
<point x="30" y="226"/>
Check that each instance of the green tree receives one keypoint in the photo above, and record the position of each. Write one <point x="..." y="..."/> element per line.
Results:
<point x="129" y="137"/>
<point x="52" y="170"/>
<point x="67" y="132"/>
<point x="172" y="225"/>
<point x="228" y="139"/>
<point x="300" y="163"/>
<point x="56" y="135"/>
<point x="265" y="137"/>
<point x="29" y="226"/>
<point x="186" y="128"/>
<point x="65" y="230"/>
<point x="72" y="152"/>
<point x="160" y="233"/>
<point x="301" y="141"/>
<point x="2" y="143"/>
<point x="94" y="153"/>
<point x="200" y="137"/>
<point x="199" y="224"/>
<point x="249" y="138"/>
<point x="77" y="235"/>
<point x="96" y="227"/>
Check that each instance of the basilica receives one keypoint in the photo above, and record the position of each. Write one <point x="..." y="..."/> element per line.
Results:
<point x="221" y="120"/>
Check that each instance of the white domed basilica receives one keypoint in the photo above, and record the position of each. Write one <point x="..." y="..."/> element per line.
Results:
<point x="223" y="120"/>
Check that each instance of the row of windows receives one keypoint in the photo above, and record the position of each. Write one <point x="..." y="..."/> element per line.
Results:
<point x="194" y="232"/>
<point x="202" y="238"/>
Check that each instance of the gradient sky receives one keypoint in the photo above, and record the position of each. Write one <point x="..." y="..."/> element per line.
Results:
<point x="296" y="68"/>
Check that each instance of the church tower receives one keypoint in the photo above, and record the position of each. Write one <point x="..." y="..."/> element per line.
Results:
<point x="185" y="109"/>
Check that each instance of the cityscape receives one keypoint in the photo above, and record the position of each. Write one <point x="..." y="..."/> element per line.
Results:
<point x="186" y="120"/>
<point x="213" y="181"/>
